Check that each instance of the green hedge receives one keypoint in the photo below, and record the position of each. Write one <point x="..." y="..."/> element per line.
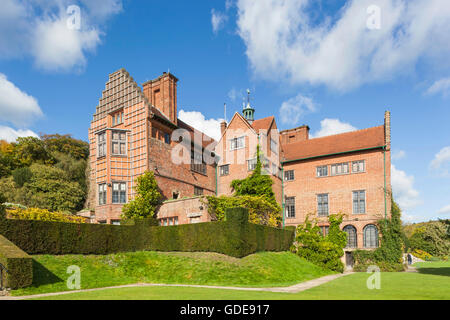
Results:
<point x="19" y="265"/>
<point x="234" y="237"/>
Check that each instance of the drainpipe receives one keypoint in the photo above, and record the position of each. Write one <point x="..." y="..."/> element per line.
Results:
<point x="282" y="194"/>
<point x="217" y="191"/>
<point x="385" y="190"/>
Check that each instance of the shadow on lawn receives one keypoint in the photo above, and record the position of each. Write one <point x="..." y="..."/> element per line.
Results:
<point x="435" y="271"/>
<point x="42" y="276"/>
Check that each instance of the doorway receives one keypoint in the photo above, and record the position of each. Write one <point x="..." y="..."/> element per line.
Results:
<point x="349" y="259"/>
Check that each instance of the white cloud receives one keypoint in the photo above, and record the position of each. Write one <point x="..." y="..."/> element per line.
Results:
<point x="10" y="135"/>
<point x="295" y="108"/>
<point x="440" y="86"/>
<point x="16" y="106"/>
<point x="399" y="154"/>
<point x="445" y="210"/>
<point x="403" y="189"/>
<point x="332" y="126"/>
<point x="210" y="127"/>
<point x="218" y="20"/>
<point x="441" y="162"/>
<point x="283" y="40"/>
<point x="39" y="29"/>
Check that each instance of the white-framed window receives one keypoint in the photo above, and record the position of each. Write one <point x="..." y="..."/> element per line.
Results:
<point x="370" y="236"/>
<point x="101" y="143"/>
<point x="290" y="207"/>
<point x="102" y="194"/>
<point x="322" y="171"/>
<point x="322" y="205"/>
<point x="119" y="192"/>
<point x="358" y="166"/>
<point x="119" y="143"/>
<point x="289" y="175"/>
<point x="251" y="164"/>
<point x="273" y="146"/>
<point x="115" y="222"/>
<point x="339" y="168"/>
<point x="224" y="170"/>
<point x="359" y="202"/>
<point x="274" y="169"/>
<point x="237" y="143"/>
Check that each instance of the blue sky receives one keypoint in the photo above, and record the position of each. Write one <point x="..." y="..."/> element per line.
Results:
<point x="334" y="65"/>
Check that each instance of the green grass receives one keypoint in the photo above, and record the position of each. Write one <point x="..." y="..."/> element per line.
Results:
<point x="432" y="282"/>
<point x="258" y="270"/>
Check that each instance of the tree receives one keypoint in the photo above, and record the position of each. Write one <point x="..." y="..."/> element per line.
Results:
<point x="77" y="149"/>
<point x="22" y="175"/>
<point x="29" y="150"/>
<point x="147" y="198"/>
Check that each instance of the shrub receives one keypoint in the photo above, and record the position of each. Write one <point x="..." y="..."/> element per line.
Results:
<point x="421" y="254"/>
<point x="323" y="251"/>
<point x="146" y="200"/>
<point x="234" y="236"/>
<point x="18" y="263"/>
<point x="432" y="238"/>
<point x="42" y="214"/>
<point x="261" y="211"/>
<point x="22" y="176"/>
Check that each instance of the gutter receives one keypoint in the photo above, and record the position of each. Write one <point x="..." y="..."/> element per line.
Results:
<point x="332" y="154"/>
<point x="385" y="185"/>
<point x="282" y="195"/>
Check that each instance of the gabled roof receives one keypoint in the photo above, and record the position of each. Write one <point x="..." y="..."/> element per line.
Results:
<point x="263" y="124"/>
<point x="370" y="138"/>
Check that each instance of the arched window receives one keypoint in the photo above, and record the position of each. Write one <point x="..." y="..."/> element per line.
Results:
<point x="352" y="241"/>
<point x="370" y="236"/>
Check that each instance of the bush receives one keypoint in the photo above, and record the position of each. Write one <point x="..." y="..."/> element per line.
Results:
<point x="42" y="214"/>
<point x="18" y="263"/>
<point x="22" y="176"/>
<point x="421" y="254"/>
<point x="432" y="238"/>
<point x="261" y="211"/>
<point x="323" y="251"/>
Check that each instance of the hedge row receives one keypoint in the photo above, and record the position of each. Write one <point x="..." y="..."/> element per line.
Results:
<point x="234" y="237"/>
<point x="19" y="265"/>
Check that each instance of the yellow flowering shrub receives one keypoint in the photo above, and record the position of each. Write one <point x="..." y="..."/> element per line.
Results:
<point x="42" y="214"/>
<point x="421" y="254"/>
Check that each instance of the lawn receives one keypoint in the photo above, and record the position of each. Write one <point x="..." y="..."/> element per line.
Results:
<point x="263" y="269"/>
<point x="431" y="282"/>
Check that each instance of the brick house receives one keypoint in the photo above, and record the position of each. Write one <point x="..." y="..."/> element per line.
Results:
<point x="134" y="130"/>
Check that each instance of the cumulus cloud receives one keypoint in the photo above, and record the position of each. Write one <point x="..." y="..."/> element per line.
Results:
<point x="196" y="119"/>
<point x="57" y="39"/>
<point x="284" y="40"/>
<point x="332" y="126"/>
<point x="292" y="110"/>
<point x="441" y="86"/>
<point x="11" y="135"/>
<point x="444" y="210"/>
<point x="398" y="154"/>
<point x="16" y="106"/>
<point x="441" y="162"/>
<point x="403" y="189"/>
<point x="218" y="20"/>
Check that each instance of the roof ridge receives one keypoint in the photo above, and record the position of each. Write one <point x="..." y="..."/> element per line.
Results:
<point x="342" y="133"/>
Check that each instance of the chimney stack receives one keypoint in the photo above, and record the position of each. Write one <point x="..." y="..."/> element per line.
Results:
<point x="223" y="127"/>
<point x="387" y="129"/>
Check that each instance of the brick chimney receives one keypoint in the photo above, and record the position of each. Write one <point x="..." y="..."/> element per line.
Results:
<point x="223" y="127"/>
<point x="294" y="135"/>
<point x="162" y="93"/>
<point x="387" y="129"/>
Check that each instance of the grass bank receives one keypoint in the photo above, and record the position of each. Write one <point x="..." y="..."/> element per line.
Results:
<point x="265" y="269"/>
<point x="432" y="282"/>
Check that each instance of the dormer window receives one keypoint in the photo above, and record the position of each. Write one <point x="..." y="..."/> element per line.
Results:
<point x="117" y="118"/>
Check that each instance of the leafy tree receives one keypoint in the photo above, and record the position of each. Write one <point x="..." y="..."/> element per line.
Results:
<point x="77" y="149"/>
<point x="431" y="237"/>
<point x="260" y="210"/>
<point x="22" y="175"/>
<point x="29" y="150"/>
<point x="326" y="251"/>
<point x="147" y="198"/>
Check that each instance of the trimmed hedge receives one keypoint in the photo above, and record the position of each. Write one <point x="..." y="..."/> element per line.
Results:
<point x="19" y="265"/>
<point x="234" y="237"/>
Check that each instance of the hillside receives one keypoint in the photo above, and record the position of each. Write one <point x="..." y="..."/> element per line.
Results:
<point x="263" y="269"/>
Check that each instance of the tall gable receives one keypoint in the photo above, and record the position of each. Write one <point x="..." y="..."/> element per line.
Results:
<point x="120" y="91"/>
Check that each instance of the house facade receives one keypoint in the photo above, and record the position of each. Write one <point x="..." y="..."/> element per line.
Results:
<point x="134" y="130"/>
